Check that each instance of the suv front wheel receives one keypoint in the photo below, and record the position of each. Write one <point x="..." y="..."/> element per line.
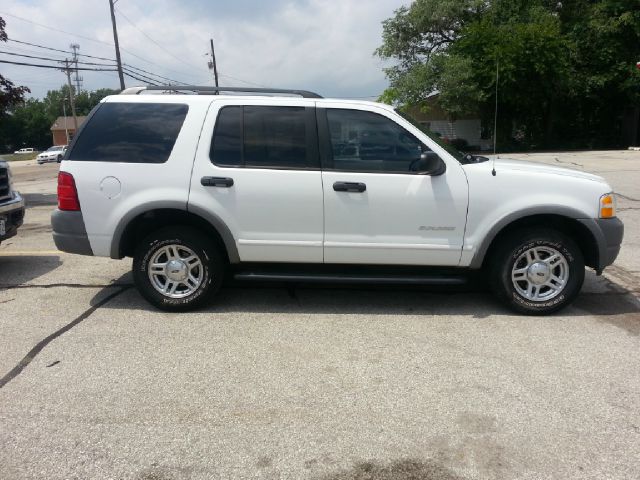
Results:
<point x="177" y="269"/>
<point x="537" y="271"/>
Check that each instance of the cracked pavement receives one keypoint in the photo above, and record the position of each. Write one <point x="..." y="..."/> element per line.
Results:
<point x="318" y="383"/>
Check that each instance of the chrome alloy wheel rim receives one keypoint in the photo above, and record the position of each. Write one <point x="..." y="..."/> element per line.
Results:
<point x="175" y="271"/>
<point x="540" y="274"/>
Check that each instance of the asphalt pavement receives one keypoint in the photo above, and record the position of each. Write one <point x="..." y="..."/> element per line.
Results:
<point x="314" y="383"/>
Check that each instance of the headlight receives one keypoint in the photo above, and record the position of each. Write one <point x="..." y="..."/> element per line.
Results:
<point x="608" y="205"/>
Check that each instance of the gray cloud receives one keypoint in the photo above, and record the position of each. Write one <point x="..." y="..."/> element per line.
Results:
<point x="322" y="45"/>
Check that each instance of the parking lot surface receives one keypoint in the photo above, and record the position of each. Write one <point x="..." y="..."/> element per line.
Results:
<point x="314" y="383"/>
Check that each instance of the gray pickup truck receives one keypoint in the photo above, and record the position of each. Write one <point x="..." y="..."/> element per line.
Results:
<point x="11" y="204"/>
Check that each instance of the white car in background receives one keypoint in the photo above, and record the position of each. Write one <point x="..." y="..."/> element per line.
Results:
<point x="24" y="151"/>
<point x="53" y="154"/>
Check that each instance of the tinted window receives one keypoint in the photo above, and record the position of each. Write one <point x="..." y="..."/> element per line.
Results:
<point x="264" y="137"/>
<point x="130" y="132"/>
<point x="365" y="141"/>
<point x="226" y="147"/>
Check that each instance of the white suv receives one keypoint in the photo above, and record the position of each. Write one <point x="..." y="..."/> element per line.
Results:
<point x="275" y="186"/>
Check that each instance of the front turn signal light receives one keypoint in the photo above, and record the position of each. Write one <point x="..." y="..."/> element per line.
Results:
<point x="607" y="206"/>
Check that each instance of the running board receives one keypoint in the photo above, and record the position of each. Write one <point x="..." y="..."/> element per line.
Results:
<point x="352" y="279"/>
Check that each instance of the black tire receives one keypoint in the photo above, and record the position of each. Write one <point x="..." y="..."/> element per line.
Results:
<point x="211" y="260"/>
<point x="512" y="249"/>
<point x="59" y="158"/>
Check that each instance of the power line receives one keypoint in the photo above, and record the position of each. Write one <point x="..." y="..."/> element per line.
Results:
<point x="164" y="49"/>
<point x="59" y="50"/>
<point x="131" y="68"/>
<point x="91" y="56"/>
<point x="125" y="72"/>
<point x="111" y="45"/>
<point x="34" y="51"/>
<point x="56" y="29"/>
<point x="149" y="61"/>
<point x="52" y="59"/>
<point x="243" y="81"/>
<point x="154" y="74"/>
<point x="86" y="38"/>
<point x="124" y="69"/>
<point x="57" y="67"/>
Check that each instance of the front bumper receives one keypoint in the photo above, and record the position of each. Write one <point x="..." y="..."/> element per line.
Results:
<point x="608" y="233"/>
<point x="69" y="232"/>
<point x="12" y="212"/>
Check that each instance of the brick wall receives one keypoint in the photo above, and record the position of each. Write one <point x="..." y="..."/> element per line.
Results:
<point x="60" y="138"/>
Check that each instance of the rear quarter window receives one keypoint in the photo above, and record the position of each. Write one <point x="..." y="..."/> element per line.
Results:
<point x="130" y="133"/>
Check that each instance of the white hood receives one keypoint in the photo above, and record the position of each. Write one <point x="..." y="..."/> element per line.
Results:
<point x="523" y="165"/>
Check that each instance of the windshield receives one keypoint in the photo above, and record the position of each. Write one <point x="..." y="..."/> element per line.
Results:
<point x="433" y="136"/>
<point x="53" y="149"/>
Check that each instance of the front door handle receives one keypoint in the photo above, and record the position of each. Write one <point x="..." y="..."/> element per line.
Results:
<point x="349" y="187"/>
<point x="216" y="182"/>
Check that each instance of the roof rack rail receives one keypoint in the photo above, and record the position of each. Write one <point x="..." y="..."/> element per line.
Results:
<point x="207" y="90"/>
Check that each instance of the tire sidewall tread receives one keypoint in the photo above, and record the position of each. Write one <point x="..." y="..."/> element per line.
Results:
<point x="212" y="263"/>
<point x="510" y="249"/>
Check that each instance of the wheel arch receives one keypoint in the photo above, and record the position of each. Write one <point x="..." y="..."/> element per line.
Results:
<point x="142" y="221"/>
<point x="571" y="223"/>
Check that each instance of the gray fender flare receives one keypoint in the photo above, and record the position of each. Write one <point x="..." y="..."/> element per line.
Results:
<point x="559" y="210"/>
<point x="211" y="218"/>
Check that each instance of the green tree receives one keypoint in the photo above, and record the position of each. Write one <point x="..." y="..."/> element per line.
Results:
<point x="566" y="69"/>
<point x="29" y="123"/>
<point x="9" y="94"/>
<point x="85" y="101"/>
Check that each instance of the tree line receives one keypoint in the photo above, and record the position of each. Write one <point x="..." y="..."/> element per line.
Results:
<point x="567" y="69"/>
<point x="28" y="123"/>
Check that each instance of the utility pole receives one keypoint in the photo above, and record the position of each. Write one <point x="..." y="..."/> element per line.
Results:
<point x="212" y="63"/>
<point x="64" y="112"/>
<point x="76" y="78"/>
<point x="72" y="100"/>
<point x="115" y="41"/>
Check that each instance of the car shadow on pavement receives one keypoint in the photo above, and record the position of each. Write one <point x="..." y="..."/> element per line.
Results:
<point x="18" y="270"/>
<point x="617" y="304"/>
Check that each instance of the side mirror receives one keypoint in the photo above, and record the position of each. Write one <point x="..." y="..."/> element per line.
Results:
<point x="431" y="164"/>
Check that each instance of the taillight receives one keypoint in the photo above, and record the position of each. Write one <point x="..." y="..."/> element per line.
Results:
<point x="67" y="193"/>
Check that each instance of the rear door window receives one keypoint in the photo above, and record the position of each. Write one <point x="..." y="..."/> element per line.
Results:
<point x="130" y="133"/>
<point x="265" y="137"/>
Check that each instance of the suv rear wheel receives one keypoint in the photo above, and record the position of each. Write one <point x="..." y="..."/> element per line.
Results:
<point x="537" y="271"/>
<point x="177" y="269"/>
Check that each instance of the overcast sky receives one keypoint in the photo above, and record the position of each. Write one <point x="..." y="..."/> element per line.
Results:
<point x="321" y="45"/>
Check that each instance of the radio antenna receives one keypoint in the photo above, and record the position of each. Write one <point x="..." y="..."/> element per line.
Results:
<point x="495" y="119"/>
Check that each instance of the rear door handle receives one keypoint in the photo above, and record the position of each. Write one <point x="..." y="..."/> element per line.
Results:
<point x="216" y="182"/>
<point x="349" y="187"/>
